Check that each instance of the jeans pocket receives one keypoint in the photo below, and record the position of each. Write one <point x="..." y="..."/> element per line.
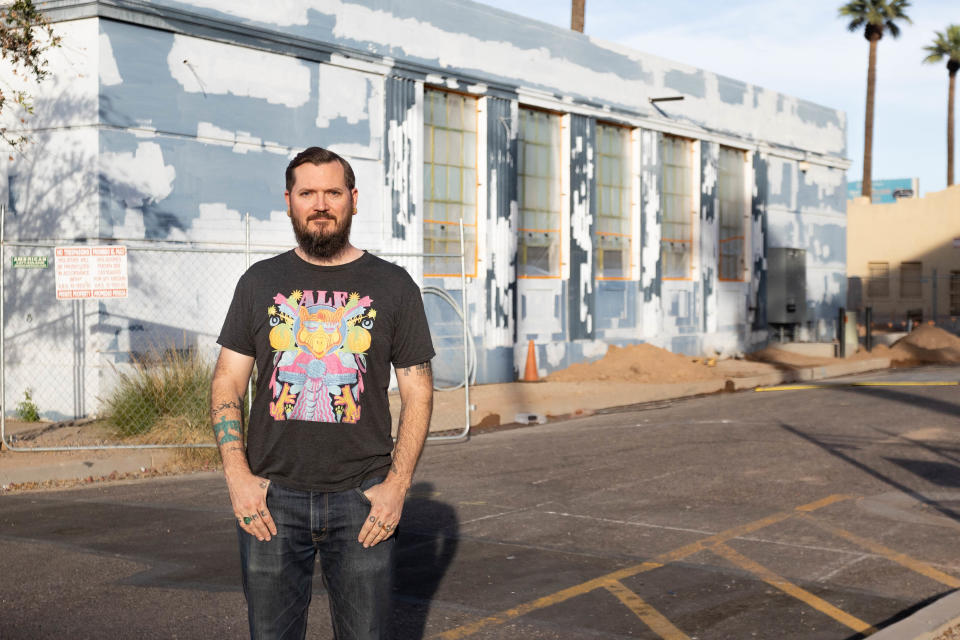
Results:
<point x="367" y="484"/>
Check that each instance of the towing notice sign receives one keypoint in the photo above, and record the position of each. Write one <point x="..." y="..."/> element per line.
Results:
<point x="90" y="272"/>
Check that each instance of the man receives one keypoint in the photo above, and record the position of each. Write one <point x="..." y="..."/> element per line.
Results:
<point x="320" y="473"/>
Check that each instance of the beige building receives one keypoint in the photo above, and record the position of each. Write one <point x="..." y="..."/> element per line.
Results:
<point x="903" y="259"/>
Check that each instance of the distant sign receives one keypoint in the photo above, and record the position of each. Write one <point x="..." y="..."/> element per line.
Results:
<point x="90" y="272"/>
<point x="30" y="262"/>
<point x="886" y="191"/>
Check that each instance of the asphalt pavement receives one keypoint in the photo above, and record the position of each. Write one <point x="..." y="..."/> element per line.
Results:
<point x="815" y="511"/>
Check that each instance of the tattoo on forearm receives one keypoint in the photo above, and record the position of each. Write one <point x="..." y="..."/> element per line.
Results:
<point x="229" y="404"/>
<point x="421" y="369"/>
<point x="227" y="431"/>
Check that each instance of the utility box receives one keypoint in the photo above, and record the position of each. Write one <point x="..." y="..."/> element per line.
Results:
<point x="786" y="285"/>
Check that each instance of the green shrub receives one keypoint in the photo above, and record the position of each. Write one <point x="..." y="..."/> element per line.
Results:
<point x="169" y="389"/>
<point x="27" y="409"/>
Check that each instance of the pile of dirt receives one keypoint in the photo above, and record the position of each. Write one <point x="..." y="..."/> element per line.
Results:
<point x="638" y="363"/>
<point x="926" y="344"/>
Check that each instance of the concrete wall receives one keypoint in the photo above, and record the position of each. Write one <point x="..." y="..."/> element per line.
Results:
<point x="925" y="230"/>
<point x="173" y="121"/>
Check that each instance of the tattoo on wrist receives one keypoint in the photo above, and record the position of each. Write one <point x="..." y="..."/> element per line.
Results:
<point x="234" y="447"/>
<point x="229" y="404"/>
<point x="264" y="484"/>
<point x="227" y="431"/>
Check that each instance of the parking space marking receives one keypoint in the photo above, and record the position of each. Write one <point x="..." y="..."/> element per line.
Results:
<point x="800" y="387"/>
<point x="902" y="559"/>
<point x="681" y="553"/>
<point x="791" y="589"/>
<point x="650" y="616"/>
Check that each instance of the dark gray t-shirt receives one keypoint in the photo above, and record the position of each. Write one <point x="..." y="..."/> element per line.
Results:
<point x="324" y="339"/>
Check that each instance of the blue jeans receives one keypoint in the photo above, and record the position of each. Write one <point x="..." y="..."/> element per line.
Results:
<point x="278" y="575"/>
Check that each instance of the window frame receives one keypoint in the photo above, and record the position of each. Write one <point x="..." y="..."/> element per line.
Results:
<point x="744" y="213"/>
<point x="428" y="146"/>
<point x="690" y="152"/>
<point x="558" y="184"/>
<point x="628" y="207"/>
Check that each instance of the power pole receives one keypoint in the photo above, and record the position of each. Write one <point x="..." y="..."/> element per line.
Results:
<point x="576" y="15"/>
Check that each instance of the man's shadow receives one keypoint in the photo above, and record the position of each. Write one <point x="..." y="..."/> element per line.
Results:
<point x="426" y="545"/>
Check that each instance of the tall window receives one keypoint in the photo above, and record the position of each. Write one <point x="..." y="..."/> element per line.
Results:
<point x="911" y="274"/>
<point x="612" y="239"/>
<point x="878" y="284"/>
<point x="449" y="180"/>
<point x="676" y="244"/>
<point x="539" y="191"/>
<point x="733" y="202"/>
<point x="955" y="293"/>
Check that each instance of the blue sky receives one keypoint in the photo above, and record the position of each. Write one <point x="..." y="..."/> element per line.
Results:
<point x="801" y="49"/>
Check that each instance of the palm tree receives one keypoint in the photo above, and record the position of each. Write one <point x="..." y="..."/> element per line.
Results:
<point x="576" y="15"/>
<point x="947" y="45"/>
<point x="874" y="16"/>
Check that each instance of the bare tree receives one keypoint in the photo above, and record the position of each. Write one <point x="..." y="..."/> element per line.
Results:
<point x="25" y="37"/>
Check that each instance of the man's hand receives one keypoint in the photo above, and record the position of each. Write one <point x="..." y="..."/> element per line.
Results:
<point x="248" y="495"/>
<point x="386" y="499"/>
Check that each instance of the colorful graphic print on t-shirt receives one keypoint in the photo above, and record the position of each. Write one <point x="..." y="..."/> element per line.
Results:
<point x="321" y="339"/>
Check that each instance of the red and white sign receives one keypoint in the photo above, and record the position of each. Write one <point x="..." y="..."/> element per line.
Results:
<point x="90" y="272"/>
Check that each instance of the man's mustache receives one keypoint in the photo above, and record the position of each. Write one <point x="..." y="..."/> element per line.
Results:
<point x="321" y="216"/>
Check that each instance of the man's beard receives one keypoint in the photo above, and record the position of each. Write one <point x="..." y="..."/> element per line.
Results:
<point x="322" y="245"/>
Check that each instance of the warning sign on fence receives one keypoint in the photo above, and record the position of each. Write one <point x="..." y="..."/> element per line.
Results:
<point x="90" y="272"/>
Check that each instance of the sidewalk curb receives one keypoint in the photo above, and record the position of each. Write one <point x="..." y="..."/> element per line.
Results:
<point x="927" y="623"/>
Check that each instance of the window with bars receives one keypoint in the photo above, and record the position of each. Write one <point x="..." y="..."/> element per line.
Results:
<point x="676" y="201"/>
<point x="911" y="274"/>
<point x="878" y="283"/>
<point x="449" y="181"/>
<point x="539" y="191"/>
<point x="612" y="239"/>
<point x="955" y="293"/>
<point x="732" y="198"/>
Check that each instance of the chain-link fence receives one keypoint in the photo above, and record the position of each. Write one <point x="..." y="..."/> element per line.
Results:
<point x="903" y="298"/>
<point x="136" y="370"/>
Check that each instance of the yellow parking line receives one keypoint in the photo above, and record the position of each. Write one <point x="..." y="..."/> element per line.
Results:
<point x="800" y="387"/>
<point x="601" y="582"/>
<point x="650" y="616"/>
<point x="900" y="558"/>
<point x="791" y="589"/>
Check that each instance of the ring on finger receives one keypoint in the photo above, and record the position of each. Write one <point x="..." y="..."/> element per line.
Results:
<point x="247" y="519"/>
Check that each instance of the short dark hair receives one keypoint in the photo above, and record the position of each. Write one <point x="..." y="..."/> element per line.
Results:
<point x="318" y="156"/>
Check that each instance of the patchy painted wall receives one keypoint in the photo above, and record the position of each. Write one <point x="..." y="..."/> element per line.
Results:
<point x="173" y="121"/>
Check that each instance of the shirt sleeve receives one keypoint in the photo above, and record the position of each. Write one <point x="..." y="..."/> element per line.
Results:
<point x="237" y="332"/>
<point x="411" y="339"/>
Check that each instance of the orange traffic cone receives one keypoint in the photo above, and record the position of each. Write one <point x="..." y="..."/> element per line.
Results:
<point x="530" y="375"/>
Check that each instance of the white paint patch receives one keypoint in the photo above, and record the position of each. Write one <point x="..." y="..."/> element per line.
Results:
<point x="212" y="134"/>
<point x="556" y="352"/>
<point x="204" y="66"/>
<point x="343" y="94"/>
<point x="138" y="177"/>
<point x="109" y="72"/>
<point x="594" y="349"/>
<point x="283" y="13"/>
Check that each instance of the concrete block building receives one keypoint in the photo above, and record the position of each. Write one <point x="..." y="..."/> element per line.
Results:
<point x="594" y="213"/>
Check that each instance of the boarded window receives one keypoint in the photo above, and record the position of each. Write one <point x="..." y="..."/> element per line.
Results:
<point x="676" y="241"/>
<point x="911" y="274"/>
<point x="539" y="189"/>
<point x="612" y="239"/>
<point x="732" y="197"/>
<point x="878" y="283"/>
<point x="449" y="181"/>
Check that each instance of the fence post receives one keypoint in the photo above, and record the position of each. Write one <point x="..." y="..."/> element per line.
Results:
<point x="841" y="333"/>
<point x="868" y="320"/>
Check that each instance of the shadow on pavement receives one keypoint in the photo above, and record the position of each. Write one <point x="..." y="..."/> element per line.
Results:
<point x="426" y="546"/>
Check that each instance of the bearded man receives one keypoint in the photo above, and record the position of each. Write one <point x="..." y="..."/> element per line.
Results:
<point x="320" y="475"/>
